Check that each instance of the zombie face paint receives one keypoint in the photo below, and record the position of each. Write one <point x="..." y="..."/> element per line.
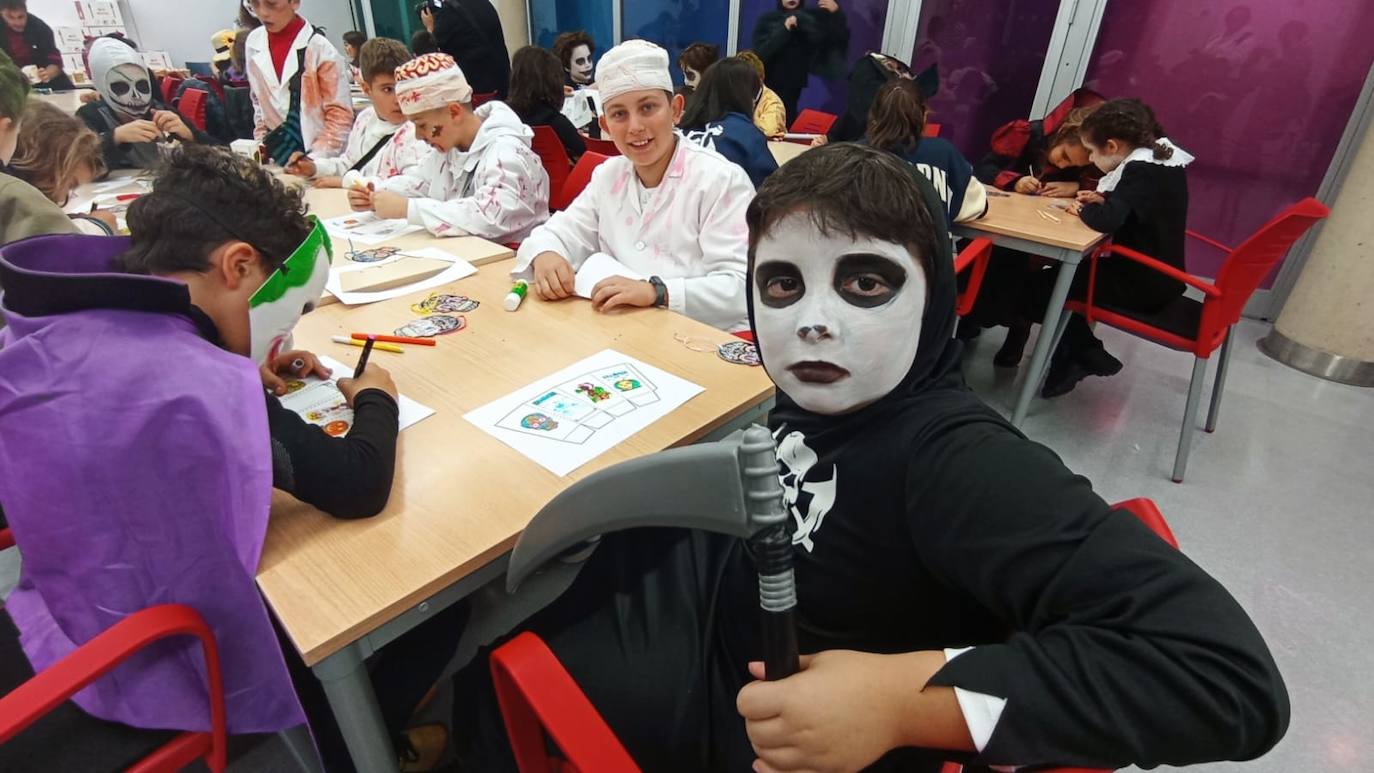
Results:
<point x="580" y="65"/>
<point x="838" y="319"/>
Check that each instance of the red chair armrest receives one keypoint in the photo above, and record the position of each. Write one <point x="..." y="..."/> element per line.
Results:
<point x="1209" y="241"/>
<point x="535" y="692"/>
<point x="975" y="254"/>
<point x="1164" y="268"/>
<point x="1148" y="512"/>
<point x="97" y="657"/>
<point x="6" y="539"/>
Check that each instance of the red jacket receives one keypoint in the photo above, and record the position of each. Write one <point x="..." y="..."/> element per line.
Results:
<point x="1023" y="144"/>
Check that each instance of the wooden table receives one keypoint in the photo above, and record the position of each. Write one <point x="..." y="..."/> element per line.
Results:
<point x="332" y="202"/>
<point x="66" y="101"/>
<point x="342" y="589"/>
<point x="1012" y="221"/>
<point x="786" y="151"/>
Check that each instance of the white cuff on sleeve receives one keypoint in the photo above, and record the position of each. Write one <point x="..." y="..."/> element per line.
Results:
<point x="981" y="711"/>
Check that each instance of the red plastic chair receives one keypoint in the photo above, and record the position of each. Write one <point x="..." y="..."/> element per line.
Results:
<point x="539" y="697"/>
<point x="813" y="122"/>
<point x="214" y="85"/>
<point x="554" y="157"/>
<point x="604" y="147"/>
<point x="87" y="663"/>
<point x="976" y="254"/>
<point x="577" y="180"/>
<point x="170" y="84"/>
<point x="192" y="107"/>
<point x="1200" y="327"/>
<point x="931" y="130"/>
<point x="481" y="99"/>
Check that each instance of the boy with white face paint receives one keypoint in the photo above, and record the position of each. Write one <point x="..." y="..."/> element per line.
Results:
<point x="575" y="50"/>
<point x="666" y="208"/>
<point x="961" y="590"/>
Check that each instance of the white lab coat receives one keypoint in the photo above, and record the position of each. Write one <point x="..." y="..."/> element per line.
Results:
<point x="692" y="233"/>
<point x="326" y="105"/>
<point x="398" y="166"/>
<point x="497" y="189"/>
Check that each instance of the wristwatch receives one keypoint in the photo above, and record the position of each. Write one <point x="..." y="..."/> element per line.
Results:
<point x="660" y="292"/>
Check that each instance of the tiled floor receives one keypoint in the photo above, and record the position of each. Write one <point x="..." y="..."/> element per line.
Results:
<point x="1278" y="504"/>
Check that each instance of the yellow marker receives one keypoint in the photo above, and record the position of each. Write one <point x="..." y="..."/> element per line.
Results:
<point x="381" y="346"/>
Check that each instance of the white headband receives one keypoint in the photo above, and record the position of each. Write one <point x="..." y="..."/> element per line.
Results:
<point x="635" y="65"/>
<point x="430" y="82"/>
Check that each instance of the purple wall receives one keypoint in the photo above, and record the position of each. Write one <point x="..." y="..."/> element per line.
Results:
<point x="866" y="19"/>
<point x="1259" y="91"/>
<point x="990" y="54"/>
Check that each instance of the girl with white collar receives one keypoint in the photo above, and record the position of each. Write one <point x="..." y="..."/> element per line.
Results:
<point x="1142" y="202"/>
<point x="667" y="209"/>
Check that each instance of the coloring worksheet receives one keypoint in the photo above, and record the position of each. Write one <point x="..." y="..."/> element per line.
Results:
<point x="573" y="416"/>
<point x="320" y="402"/>
<point x="367" y="228"/>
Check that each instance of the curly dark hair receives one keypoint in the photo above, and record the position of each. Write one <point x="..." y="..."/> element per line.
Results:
<point x="699" y="56"/>
<point x="851" y="189"/>
<point x="897" y="118"/>
<point x="422" y="42"/>
<point x="564" y="44"/>
<point x="1126" y="120"/>
<point x="204" y="196"/>
<point x="536" y="78"/>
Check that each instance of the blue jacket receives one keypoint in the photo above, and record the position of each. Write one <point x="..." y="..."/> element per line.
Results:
<point x="952" y="175"/>
<point x="737" y="138"/>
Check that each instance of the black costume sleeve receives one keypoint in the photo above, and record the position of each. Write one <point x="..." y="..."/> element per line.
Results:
<point x="770" y="35"/>
<point x="1122" y="651"/>
<point x="348" y="477"/>
<point x="567" y="133"/>
<point x="113" y="154"/>
<point x="40" y="33"/>
<point x="1133" y="194"/>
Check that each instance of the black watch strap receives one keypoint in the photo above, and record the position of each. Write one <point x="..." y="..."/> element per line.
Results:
<point x="660" y="292"/>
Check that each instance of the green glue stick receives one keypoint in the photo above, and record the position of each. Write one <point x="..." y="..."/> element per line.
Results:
<point x="516" y="295"/>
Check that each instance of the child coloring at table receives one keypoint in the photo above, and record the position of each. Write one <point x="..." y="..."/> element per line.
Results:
<point x="382" y="146"/>
<point x="667" y="208"/>
<point x="298" y="82"/>
<point x="161" y="490"/>
<point x="1142" y="203"/>
<point x="1043" y="157"/>
<point x="484" y="180"/>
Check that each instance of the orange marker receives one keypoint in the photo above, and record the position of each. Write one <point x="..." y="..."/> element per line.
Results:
<point x="394" y="339"/>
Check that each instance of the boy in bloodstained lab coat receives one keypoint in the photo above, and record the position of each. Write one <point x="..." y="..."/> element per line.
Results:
<point x="298" y="82"/>
<point x="666" y="209"/>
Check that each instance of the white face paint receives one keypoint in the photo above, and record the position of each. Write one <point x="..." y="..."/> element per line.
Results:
<point x="690" y="77"/>
<point x="580" y="64"/>
<point x="128" y="89"/>
<point x="838" y="319"/>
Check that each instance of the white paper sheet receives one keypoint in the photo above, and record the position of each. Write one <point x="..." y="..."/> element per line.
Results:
<point x="366" y="228"/>
<point x="596" y="268"/>
<point x="320" y="402"/>
<point x="584" y="410"/>
<point x="460" y="269"/>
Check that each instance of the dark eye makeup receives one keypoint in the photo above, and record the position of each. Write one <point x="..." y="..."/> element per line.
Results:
<point x="780" y="284"/>
<point x="867" y="280"/>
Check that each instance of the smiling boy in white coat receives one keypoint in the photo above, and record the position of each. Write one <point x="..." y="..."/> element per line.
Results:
<point x="298" y="82"/>
<point x="668" y="209"/>
<point x="485" y="180"/>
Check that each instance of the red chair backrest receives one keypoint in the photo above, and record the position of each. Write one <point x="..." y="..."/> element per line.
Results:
<point x="975" y="254"/>
<point x="578" y="179"/>
<point x="481" y="99"/>
<point x="192" y="107"/>
<point x="1251" y="262"/>
<point x="214" y="85"/>
<point x="813" y="122"/>
<point x="932" y="130"/>
<point x="555" y="159"/>
<point x="170" y="85"/>
<point x="604" y="147"/>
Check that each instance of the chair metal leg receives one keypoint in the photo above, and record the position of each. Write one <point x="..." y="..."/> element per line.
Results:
<point x="1214" y="410"/>
<point x="1185" y="436"/>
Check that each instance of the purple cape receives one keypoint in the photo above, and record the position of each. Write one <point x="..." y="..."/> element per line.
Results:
<point x="135" y="469"/>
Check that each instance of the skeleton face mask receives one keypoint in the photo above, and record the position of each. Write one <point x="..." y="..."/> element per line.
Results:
<point x="838" y="319"/>
<point x="580" y="65"/>
<point x="121" y="78"/>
